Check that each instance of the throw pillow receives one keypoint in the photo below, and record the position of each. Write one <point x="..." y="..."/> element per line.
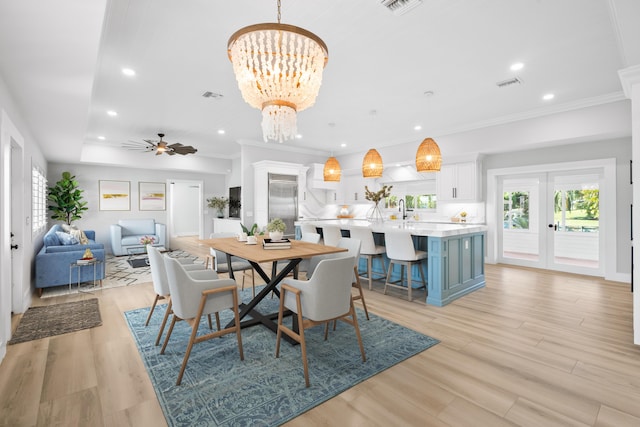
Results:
<point x="66" y="239"/>
<point x="80" y="236"/>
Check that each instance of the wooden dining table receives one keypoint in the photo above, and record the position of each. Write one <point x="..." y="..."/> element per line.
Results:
<point x="255" y="254"/>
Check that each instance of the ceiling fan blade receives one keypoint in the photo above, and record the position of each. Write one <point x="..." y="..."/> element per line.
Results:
<point x="182" y="149"/>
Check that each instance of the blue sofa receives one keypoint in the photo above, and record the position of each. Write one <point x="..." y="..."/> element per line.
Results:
<point x="126" y="235"/>
<point x="53" y="260"/>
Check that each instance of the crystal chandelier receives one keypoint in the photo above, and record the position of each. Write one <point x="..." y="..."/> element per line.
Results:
<point x="279" y="71"/>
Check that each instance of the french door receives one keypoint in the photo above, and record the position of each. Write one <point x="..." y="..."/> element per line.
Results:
<point x="552" y="221"/>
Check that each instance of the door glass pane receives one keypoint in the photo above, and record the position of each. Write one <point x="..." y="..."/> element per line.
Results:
<point x="520" y="237"/>
<point x="576" y="220"/>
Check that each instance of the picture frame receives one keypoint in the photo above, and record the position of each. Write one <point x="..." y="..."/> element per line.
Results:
<point x="152" y="196"/>
<point x="114" y="195"/>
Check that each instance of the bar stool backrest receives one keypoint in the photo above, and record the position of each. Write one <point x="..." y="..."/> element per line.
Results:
<point x="399" y="245"/>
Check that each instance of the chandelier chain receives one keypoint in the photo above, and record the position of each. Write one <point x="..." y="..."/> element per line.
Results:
<point x="279" y="15"/>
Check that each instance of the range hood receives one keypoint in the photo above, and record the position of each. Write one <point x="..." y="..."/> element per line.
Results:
<point x="404" y="174"/>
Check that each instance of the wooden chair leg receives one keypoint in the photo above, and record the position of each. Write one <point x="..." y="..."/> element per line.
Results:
<point x="357" y="328"/>
<point x="209" y="320"/>
<point x="153" y="306"/>
<point x="280" y="315"/>
<point x="192" y="339"/>
<point x="166" y="339"/>
<point x="164" y="321"/>
<point x="236" y="315"/>
<point x="303" y="343"/>
<point x="217" y="320"/>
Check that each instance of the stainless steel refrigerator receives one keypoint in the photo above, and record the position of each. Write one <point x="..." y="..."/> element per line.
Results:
<point x="283" y="200"/>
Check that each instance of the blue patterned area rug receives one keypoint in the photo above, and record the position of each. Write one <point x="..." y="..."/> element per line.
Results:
<point x="220" y="390"/>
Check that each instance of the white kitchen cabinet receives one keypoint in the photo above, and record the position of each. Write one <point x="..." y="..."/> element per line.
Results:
<point x="458" y="182"/>
<point x="350" y="190"/>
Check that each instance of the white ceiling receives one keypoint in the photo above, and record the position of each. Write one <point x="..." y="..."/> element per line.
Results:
<point x="62" y="64"/>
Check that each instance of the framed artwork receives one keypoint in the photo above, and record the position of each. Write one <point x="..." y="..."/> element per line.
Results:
<point x="114" y="195"/>
<point x="152" y="196"/>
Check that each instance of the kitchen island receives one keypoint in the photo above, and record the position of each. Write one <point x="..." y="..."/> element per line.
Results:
<point x="455" y="261"/>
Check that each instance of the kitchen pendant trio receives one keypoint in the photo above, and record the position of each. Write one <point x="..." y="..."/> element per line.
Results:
<point x="428" y="159"/>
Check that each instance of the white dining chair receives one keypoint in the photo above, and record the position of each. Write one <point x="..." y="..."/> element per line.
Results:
<point x="192" y="298"/>
<point x="219" y="262"/>
<point x="353" y="250"/>
<point x="401" y="251"/>
<point x="161" y="283"/>
<point x="324" y="297"/>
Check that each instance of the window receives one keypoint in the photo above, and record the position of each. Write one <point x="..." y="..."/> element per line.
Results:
<point x="38" y="201"/>
<point x="516" y="210"/>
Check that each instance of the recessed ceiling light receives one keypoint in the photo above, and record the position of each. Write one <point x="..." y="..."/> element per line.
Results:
<point x="128" y="72"/>
<point x="298" y="136"/>
<point x="112" y="113"/>
<point x="517" y="66"/>
<point x="220" y="131"/>
<point x="343" y="145"/>
<point x="548" y="97"/>
<point x="101" y="138"/>
<point x="417" y="127"/>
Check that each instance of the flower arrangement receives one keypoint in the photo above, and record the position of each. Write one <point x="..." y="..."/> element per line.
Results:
<point x="147" y="240"/>
<point x="218" y="203"/>
<point x="378" y="195"/>
<point x="276" y="224"/>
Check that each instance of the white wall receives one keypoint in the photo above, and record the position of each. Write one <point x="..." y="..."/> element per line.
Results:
<point x="94" y="219"/>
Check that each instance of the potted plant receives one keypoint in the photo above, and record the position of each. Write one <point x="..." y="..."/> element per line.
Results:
<point x="218" y="203"/>
<point x="67" y="200"/>
<point x="276" y="229"/>
<point x="253" y="231"/>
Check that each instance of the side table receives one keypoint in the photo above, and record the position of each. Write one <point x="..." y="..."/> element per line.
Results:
<point x="95" y="263"/>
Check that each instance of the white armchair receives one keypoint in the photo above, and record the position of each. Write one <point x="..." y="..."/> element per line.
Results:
<point x="325" y="297"/>
<point x="193" y="297"/>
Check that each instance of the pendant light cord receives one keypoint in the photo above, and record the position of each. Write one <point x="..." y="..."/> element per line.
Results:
<point x="279" y="11"/>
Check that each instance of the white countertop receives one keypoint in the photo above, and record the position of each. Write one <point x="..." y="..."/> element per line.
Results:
<point x="417" y="228"/>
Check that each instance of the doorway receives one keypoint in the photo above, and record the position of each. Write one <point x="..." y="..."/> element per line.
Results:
<point x="185" y="208"/>
<point x="552" y="221"/>
<point x="557" y="217"/>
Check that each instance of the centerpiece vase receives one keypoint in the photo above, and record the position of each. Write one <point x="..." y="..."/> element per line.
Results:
<point x="374" y="214"/>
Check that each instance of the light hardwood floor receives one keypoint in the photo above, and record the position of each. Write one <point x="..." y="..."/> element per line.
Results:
<point x="533" y="348"/>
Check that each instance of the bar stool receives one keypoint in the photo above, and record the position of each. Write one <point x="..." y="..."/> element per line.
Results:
<point x="370" y="251"/>
<point x="400" y="250"/>
<point x="331" y="235"/>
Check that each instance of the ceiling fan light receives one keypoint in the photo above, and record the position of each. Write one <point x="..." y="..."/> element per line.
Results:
<point x="428" y="157"/>
<point x="278" y="66"/>
<point x="372" y="164"/>
<point x="332" y="170"/>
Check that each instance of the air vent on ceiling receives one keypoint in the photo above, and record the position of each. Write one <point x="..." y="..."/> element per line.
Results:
<point x="509" y="82"/>
<point x="213" y="95"/>
<point x="400" y="7"/>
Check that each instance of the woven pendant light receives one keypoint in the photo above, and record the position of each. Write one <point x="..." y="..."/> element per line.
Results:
<point x="428" y="157"/>
<point x="372" y="164"/>
<point x="332" y="170"/>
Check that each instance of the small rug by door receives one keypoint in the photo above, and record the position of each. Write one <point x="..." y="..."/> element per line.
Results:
<point x="50" y="320"/>
<point x="220" y="390"/>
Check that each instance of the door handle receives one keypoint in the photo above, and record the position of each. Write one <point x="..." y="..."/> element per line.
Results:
<point x="14" y="246"/>
<point x="554" y="226"/>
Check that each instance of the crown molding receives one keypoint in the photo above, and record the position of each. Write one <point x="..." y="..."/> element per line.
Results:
<point x="629" y="77"/>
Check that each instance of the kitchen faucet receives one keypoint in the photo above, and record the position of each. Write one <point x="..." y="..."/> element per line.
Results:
<point x="402" y="209"/>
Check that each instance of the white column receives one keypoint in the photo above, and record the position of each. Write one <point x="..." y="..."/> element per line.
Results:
<point x="630" y="78"/>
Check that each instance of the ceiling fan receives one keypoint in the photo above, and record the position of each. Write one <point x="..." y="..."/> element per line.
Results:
<point x="160" y="147"/>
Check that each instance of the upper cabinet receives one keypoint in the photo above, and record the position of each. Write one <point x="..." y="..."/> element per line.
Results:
<point x="459" y="182"/>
